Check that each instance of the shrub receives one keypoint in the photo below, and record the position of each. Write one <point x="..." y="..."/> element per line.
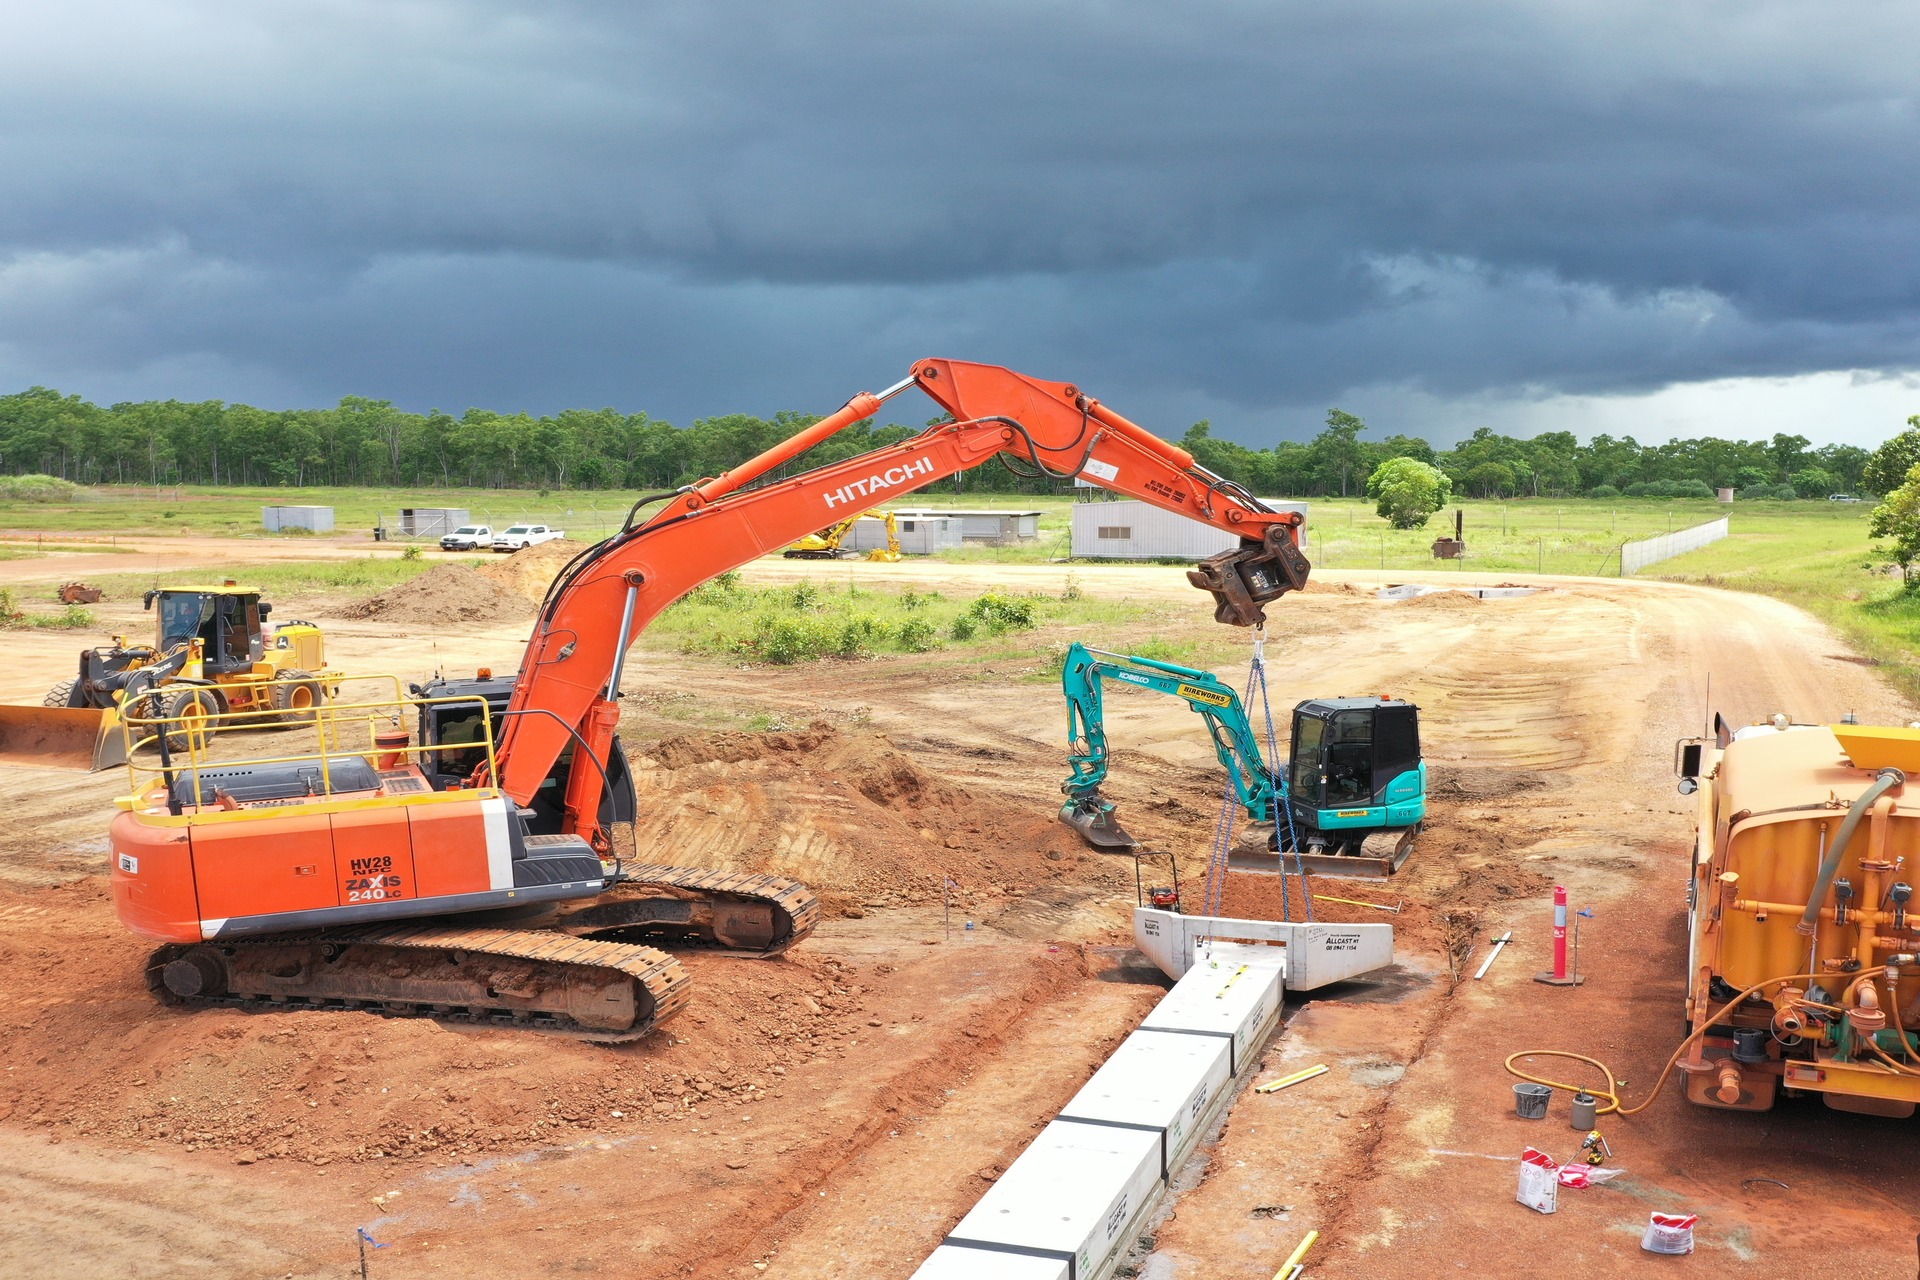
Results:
<point x="37" y="488"/>
<point x="1603" y="491"/>
<point x="917" y="635"/>
<point x="999" y="613"/>
<point x="964" y="627"/>
<point x="859" y="635"/>
<point x="804" y="595"/>
<point x="1072" y="590"/>
<point x="785" y="641"/>
<point x="411" y="553"/>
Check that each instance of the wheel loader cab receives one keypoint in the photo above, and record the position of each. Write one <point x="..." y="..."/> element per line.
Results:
<point x="227" y="624"/>
<point x="1355" y="762"/>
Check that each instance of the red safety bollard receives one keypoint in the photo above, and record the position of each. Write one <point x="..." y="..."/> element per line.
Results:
<point x="1558" y="975"/>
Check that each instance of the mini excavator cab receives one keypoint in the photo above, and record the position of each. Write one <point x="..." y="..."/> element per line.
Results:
<point x="1355" y="765"/>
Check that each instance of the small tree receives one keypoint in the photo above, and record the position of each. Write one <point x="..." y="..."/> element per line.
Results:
<point x="1894" y="460"/>
<point x="1898" y="518"/>
<point x="1406" y="491"/>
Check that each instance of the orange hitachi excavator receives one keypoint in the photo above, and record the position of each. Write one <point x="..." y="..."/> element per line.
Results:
<point x="466" y="869"/>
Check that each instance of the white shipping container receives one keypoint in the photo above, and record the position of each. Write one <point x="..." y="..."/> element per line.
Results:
<point x="1161" y="1079"/>
<point x="954" y="1262"/>
<point x="1130" y="529"/>
<point x="1074" y="1194"/>
<point x="1233" y="994"/>
<point x="431" y="522"/>
<point x="313" y="519"/>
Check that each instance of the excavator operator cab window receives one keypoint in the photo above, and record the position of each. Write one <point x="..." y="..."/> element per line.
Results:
<point x="1309" y="734"/>
<point x="1396" y="743"/>
<point x="1350" y="760"/>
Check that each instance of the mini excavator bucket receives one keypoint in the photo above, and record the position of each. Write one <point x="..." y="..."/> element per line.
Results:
<point x="1098" y="825"/>
<point x="86" y="738"/>
<point x="1247" y="578"/>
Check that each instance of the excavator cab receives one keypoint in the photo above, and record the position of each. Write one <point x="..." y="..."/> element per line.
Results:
<point x="1355" y="765"/>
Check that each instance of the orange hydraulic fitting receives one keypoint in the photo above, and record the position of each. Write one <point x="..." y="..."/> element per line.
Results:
<point x="1728" y="1088"/>
<point x="1787" y="1018"/>
<point x="1863" y="1007"/>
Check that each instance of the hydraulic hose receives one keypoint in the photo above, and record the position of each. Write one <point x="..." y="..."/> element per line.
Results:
<point x="1611" y="1094"/>
<point x="1883" y="782"/>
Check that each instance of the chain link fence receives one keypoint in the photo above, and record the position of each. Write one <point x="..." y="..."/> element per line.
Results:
<point x="1635" y="556"/>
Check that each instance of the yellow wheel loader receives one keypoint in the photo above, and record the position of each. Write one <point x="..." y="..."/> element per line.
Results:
<point x="215" y="661"/>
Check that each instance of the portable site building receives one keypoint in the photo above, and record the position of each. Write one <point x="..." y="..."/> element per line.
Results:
<point x="921" y="534"/>
<point x="431" y="522"/>
<point x="1129" y="529"/>
<point x="312" y="519"/>
<point x="990" y="528"/>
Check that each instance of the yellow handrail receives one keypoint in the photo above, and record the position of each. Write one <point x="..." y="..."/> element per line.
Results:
<point x="331" y="720"/>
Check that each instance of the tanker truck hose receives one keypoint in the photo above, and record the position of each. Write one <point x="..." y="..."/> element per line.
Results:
<point x="1610" y="1095"/>
<point x="1883" y="782"/>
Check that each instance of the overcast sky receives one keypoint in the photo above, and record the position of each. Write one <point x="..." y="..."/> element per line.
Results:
<point x="1613" y="215"/>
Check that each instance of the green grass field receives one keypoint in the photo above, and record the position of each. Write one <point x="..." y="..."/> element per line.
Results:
<point x="1814" y="554"/>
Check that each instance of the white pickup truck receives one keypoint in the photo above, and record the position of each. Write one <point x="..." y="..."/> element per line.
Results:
<point x="468" y="537"/>
<point x="521" y="536"/>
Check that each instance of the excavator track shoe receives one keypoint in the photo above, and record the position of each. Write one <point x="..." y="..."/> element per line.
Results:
<point x="607" y="992"/>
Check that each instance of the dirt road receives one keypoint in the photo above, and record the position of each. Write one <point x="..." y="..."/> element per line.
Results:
<point x="833" y="1113"/>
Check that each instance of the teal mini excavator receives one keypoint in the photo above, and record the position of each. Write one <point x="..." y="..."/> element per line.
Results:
<point x="1352" y="797"/>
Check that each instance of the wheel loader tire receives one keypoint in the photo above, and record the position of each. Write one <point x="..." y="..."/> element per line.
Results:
<point x="294" y="694"/>
<point x="200" y="712"/>
<point x="59" y="695"/>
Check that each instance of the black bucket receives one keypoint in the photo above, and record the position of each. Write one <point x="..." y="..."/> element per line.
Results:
<point x="1530" y="1100"/>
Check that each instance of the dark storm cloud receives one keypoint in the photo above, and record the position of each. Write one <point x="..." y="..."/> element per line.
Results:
<point x="708" y="207"/>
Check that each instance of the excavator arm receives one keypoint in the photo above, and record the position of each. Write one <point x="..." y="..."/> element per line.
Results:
<point x="1082" y="677"/>
<point x="569" y="679"/>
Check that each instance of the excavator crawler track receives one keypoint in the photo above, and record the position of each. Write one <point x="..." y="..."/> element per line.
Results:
<point x="734" y="913"/>
<point x="608" y="992"/>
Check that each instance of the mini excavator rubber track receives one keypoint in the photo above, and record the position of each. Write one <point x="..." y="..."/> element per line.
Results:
<point x="607" y="992"/>
<point x="730" y="912"/>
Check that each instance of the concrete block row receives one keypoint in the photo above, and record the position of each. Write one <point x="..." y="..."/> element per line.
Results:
<point x="1070" y="1204"/>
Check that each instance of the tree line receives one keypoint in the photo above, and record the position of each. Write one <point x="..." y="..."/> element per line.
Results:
<point x="370" y="442"/>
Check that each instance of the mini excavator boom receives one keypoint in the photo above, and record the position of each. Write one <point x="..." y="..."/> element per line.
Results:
<point x="277" y="883"/>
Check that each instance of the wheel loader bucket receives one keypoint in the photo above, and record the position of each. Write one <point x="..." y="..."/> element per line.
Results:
<point x="61" y="737"/>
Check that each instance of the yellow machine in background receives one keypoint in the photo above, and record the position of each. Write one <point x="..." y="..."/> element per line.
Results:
<point x="1800" y="917"/>
<point x="213" y="656"/>
<point x="826" y="544"/>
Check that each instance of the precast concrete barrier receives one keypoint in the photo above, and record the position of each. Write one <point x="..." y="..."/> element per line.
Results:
<point x="1079" y="1195"/>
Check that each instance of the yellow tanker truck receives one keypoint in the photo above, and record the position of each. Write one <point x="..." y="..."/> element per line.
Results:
<point x="1802" y="932"/>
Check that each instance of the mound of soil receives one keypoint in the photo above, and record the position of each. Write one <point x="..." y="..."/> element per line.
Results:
<point x="444" y="592"/>
<point x="530" y="571"/>
<point x="1443" y="600"/>
<point x="849" y="813"/>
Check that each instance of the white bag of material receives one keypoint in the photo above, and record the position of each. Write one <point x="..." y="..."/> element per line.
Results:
<point x="1539" y="1182"/>
<point x="1669" y="1233"/>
